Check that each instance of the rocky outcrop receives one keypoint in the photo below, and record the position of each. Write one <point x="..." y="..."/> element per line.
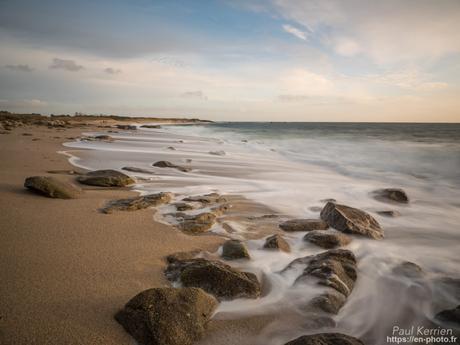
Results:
<point x="51" y="187"/>
<point x="326" y="339"/>
<point x="391" y="194"/>
<point x="170" y="316"/>
<point x="351" y="220"/>
<point x="277" y="242"/>
<point x="106" y="178"/>
<point x="451" y="316"/>
<point x="138" y="203"/>
<point x="196" y="223"/>
<point x="304" y="225"/>
<point x="214" y="277"/>
<point x="327" y="238"/>
<point x="234" y="250"/>
<point x="166" y="164"/>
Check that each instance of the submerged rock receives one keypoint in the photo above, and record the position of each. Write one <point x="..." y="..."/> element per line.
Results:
<point x="151" y="126"/>
<point x="391" y="194"/>
<point x="127" y="127"/>
<point x="170" y="316"/>
<point x="408" y="269"/>
<point x="217" y="153"/>
<point x="206" y="198"/>
<point x="197" y="223"/>
<point x="277" y="242"/>
<point x="214" y="277"/>
<point x="330" y="302"/>
<point x="166" y="164"/>
<point x="138" y="203"/>
<point x="183" y="206"/>
<point x="325" y="339"/>
<point x="104" y="137"/>
<point x="304" y="225"/>
<point x="450" y="316"/>
<point x="234" y="249"/>
<point x="389" y="213"/>
<point x="351" y="220"/>
<point x="51" y="187"/>
<point x="327" y="238"/>
<point x="106" y="178"/>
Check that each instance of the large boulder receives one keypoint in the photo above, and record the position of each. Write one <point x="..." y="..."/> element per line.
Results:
<point x="106" y="178"/>
<point x="51" y="187"/>
<point x="138" y="203"/>
<point x="234" y="249"/>
<point x="166" y="164"/>
<point x="391" y="194"/>
<point x="327" y="238"/>
<point x="326" y="339"/>
<point x="214" y="277"/>
<point x="169" y="316"/>
<point x="277" y="242"/>
<point x="304" y="225"/>
<point x="351" y="220"/>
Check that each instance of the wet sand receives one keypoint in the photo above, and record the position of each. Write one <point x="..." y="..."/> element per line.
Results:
<point x="66" y="268"/>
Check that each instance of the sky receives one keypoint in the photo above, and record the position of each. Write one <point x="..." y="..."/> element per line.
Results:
<point x="233" y="60"/>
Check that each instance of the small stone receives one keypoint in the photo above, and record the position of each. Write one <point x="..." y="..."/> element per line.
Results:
<point x="217" y="153"/>
<point x="106" y="178"/>
<point x="409" y="270"/>
<point x="197" y="223"/>
<point x="391" y="194"/>
<point x="166" y="164"/>
<point x="327" y="239"/>
<point x="277" y="242"/>
<point x="234" y="249"/>
<point x="389" y="213"/>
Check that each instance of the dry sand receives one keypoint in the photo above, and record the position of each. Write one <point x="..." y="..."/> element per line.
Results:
<point x="65" y="267"/>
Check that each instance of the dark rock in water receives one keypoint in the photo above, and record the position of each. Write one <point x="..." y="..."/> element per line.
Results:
<point x="217" y="153"/>
<point x="169" y="316"/>
<point x="106" y="178"/>
<point x="351" y="220"/>
<point x="389" y="213"/>
<point x="325" y="339"/>
<point x="166" y="164"/>
<point x="151" y="126"/>
<point x="138" y="203"/>
<point x="206" y="199"/>
<point x="234" y="249"/>
<point x="172" y="148"/>
<point x="391" y="194"/>
<point x="51" y="187"/>
<point x="451" y="316"/>
<point x="327" y="238"/>
<point x="277" y="242"/>
<point x="127" y="127"/>
<point x="197" y="223"/>
<point x="27" y="134"/>
<point x="104" y="137"/>
<point x="330" y="302"/>
<point x="183" y="206"/>
<point x="408" y="269"/>
<point x="214" y="277"/>
<point x="138" y="170"/>
<point x="304" y="225"/>
<point x="181" y="256"/>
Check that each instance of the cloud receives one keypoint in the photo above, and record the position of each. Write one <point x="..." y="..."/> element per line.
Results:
<point x="295" y="32"/>
<point x="346" y="46"/>
<point x="21" y="68"/>
<point x="195" y="95"/>
<point x="110" y="70"/>
<point x="68" y="65"/>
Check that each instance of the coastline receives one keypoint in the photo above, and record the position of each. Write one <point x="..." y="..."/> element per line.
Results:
<point x="66" y="267"/>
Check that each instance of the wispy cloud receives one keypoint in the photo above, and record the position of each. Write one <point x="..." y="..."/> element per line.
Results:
<point x="68" y="65"/>
<point x="21" y="68"/>
<point x="295" y="32"/>
<point x="110" y="70"/>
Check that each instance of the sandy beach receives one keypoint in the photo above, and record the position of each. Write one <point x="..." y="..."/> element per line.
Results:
<point x="66" y="268"/>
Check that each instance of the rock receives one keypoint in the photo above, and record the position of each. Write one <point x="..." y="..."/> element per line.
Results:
<point x="169" y="316"/>
<point x="450" y="316"/>
<point x="183" y="206"/>
<point x="351" y="220"/>
<point x="137" y="170"/>
<point x="304" y="225"/>
<point x="126" y="127"/>
<point x="217" y="153"/>
<point x="151" y="126"/>
<point x="277" y="242"/>
<point x="172" y="148"/>
<point x="408" y="269"/>
<point x="391" y="194"/>
<point x="27" y="134"/>
<point x="234" y="249"/>
<point x="206" y="199"/>
<point x="220" y="209"/>
<point x="327" y="239"/>
<point x="103" y="137"/>
<point x="197" y="223"/>
<point x="51" y="187"/>
<point x="138" y="203"/>
<point x="328" y="200"/>
<point x="389" y="213"/>
<point x="106" y="178"/>
<point x="181" y="256"/>
<point x="214" y="277"/>
<point x="325" y="339"/>
<point x="166" y="164"/>
<point x="330" y="302"/>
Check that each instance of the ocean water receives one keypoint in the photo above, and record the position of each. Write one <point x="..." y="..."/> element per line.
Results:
<point x="292" y="167"/>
